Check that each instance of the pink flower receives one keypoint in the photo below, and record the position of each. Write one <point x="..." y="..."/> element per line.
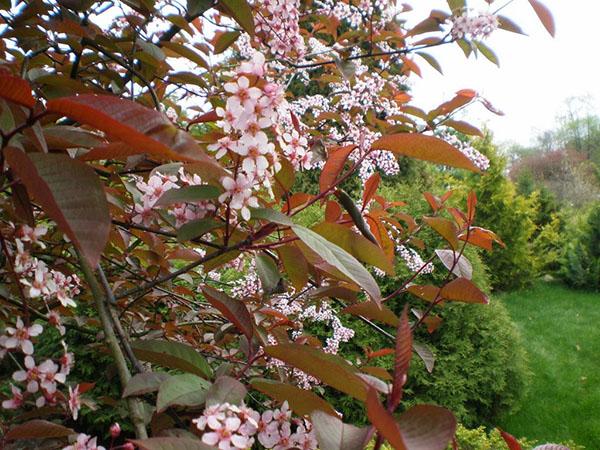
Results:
<point x="85" y="442"/>
<point x="29" y="234"/>
<point x="54" y="320"/>
<point x="31" y="375"/>
<point x="49" y="376"/>
<point x="241" y="91"/>
<point x="256" y="66"/>
<point x="42" y="283"/>
<point x="115" y="430"/>
<point x="240" y="193"/>
<point x="16" y="401"/>
<point x="19" y="336"/>
<point x="74" y="401"/>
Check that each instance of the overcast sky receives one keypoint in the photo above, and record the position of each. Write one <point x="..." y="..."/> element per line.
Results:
<point x="536" y="74"/>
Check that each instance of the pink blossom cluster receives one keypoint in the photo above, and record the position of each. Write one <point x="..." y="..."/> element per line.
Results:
<point x="250" y="112"/>
<point x="277" y="21"/>
<point x="145" y="211"/>
<point x="39" y="281"/>
<point x="231" y="427"/>
<point x="471" y="25"/>
<point x="43" y="378"/>
<point x="354" y="13"/>
<point x="477" y="158"/>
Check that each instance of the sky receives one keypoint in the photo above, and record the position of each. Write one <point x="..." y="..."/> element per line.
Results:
<point x="537" y="73"/>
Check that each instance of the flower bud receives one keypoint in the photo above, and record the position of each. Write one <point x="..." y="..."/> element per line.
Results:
<point x="115" y="431"/>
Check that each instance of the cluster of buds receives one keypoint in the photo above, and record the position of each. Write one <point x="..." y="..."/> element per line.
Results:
<point x="231" y="427"/>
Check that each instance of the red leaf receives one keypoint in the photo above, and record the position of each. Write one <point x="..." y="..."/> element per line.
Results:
<point x="402" y="358"/>
<point x="16" y="90"/>
<point x="510" y="440"/>
<point x="210" y="116"/>
<point x="333" y="434"/>
<point x="544" y="15"/>
<point x="445" y="228"/>
<point x="427" y="427"/>
<point x="471" y="204"/>
<point x="464" y="127"/>
<point x="463" y="290"/>
<point x="234" y="310"/>
<point x="38" y="429"/>
<point x="427" y="148"/>
<point x="333" y="211"/>
<point x="70" y="193"/>
<point x="372" y="311"/>
<point x="143" y="129"/>
<point x="384" y="421"/>
<point x="333" y="166"/>
<point x="481" y="237"/>
<point x="370" y="188"/>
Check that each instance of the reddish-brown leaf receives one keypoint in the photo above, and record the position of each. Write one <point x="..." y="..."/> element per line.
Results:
<point x="445" y="228"/>
<point x="427" y="427"/>
<point x="143" y="129"/>
<point x="427" y="148"/>
<point x="234" y="310"/>
<point x="384" y="421"/>
<point x="295" y="264"/>
<point x="463" y="290"/>
<point x="301" y="401"/>
<point x="464" y="127"/>
<point x="38" y="429"/>
<point x="70" y="193"/>
<point x="401" y="358"/>
<point x="16" y="90"/>
<point x="427" y="292"/>
<point x="481" y="237"/>
<point x="510" y="440"/>
<point x="333" y="211"/>
<point x="471" y="205"/>
<point x="330" y="369"/>
<point x="333" y="434"/>
<point x="372" y="311"/>
<point x="544" y="15"/>
<point x="210" y="116"/>
<point x="370" y="188"/>
<point x="333" y="166"/>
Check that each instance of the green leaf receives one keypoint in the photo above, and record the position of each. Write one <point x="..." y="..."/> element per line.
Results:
<point x="301" y="401"/>
<point x="170" y="443"/>
<point x="487" y="52"/>
<point x="196" y="7"/>
<point x="174" y="355"/>
<point x="143" y="383"/>
<point x="241" y="12"/>
<point x="272" y="216"/>
<point x="234" y="310"/>
<point x="182" y="390"/>
<point x="187" y="53"/>
<point x="330" y="369"/>
<point x="38" y="429"/>
<point x="267" y="272"/>
<point x="196" y="228"/>
<point x="457" y="6"/>
<point x="333" y="434"/>
<point x="340" y="259"/>
<point x="226" y="390"/>
<point x="431" y="61"/>
<point x="507" y="24"/>
<point x="188" y="194"/>
<point x="70" y="193"/>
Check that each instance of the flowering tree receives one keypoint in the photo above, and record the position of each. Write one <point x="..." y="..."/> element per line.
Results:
<point x="151" y="148"/>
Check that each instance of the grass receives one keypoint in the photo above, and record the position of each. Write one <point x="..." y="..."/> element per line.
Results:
<point x="561" y="331"/>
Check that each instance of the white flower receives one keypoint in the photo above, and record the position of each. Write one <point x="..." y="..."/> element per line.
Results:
<point x="20" y="336"/>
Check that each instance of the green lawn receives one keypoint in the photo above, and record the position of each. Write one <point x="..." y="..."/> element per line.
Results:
<point x="561" y="331"/>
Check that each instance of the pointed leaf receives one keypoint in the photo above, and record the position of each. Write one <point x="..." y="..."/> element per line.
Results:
<point x="372" y="311"/>
<point x="544" y="15"/>
<point x="464" y="127"/>
<point x="223" y="40"/>
<point x="226" y="390"/>
<point x="445" y="228"/>
<point x="425" y="354"/>
<point x="402" y="357"/>
<point x="336" y="159"/>
<point x="295" y="265"/>
<point x="371" y="186"/>
<point x="181" y="390"/>
<point x="333" y="434"/>
<point x="462" y="268"/>
<point x="487" y="52"/>
<point x="330" y="369"/>
<point x="507" y="24"/>
<point x="16" y="90"/>
<point x="427" y="148"/>
<point x="188" y="194"/>
<point x="384" y="421"/>
<point x="427" y="427"/>
<point x="174" y="355"/>
<point x="234" y="310"/>
<point x="431" y="61"/>
<point x="301" y="401"/>
<point x="510" y="440"/>
<point x="38" y="429"/>
<point x="463" y="290"/>
<point x="241" y="12"/>
<point x="143" y="129"/>
<point x="70" y="193"/>
<point x="145" y="382"/>
<point x="196" y="228"/>
<point x="267" y="273"/>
